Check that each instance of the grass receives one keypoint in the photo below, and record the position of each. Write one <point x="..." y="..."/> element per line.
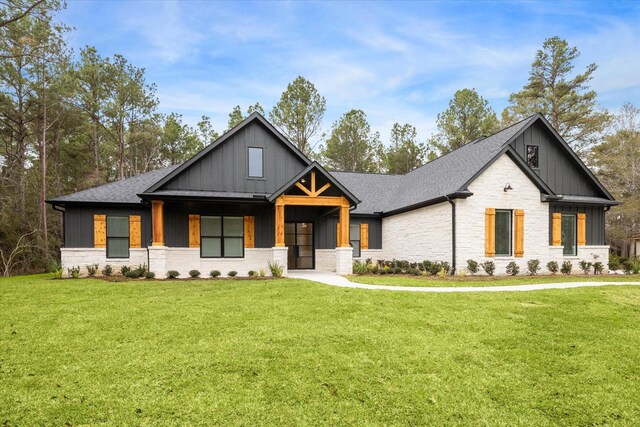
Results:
<point x="475" y="281"/>
<point x="287" y="352"/>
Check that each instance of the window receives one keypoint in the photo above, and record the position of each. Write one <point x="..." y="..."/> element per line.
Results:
<point x="221" y="237"/>
<point x="532" y="156"/>
<point x="503" y="232"/>
<point x="117" y="237"/>
<point x="354" y="239"/>
<point x="569" y="235"/>
<point x="255" y="162"/>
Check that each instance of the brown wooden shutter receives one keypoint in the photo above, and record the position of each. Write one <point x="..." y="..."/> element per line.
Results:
<point x="490" y="232"/>
<point x="556" y="229"/>
<point x="194" y="231"/>
<point x="337" y="234"/>
<point x="364" y="236"/>
<point x="99" y="231"/>
<point x="518" y="249"/>
<point x="249" y="232"/>
<point x="135" y="232"/>
<point x="582" y="229"/>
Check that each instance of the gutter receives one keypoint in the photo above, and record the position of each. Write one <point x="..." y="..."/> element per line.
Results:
<point x="453" y="234"/>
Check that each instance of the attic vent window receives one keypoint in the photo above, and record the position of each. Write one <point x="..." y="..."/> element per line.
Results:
<point x="255" y="162"/>
<point x="532" y="156"/>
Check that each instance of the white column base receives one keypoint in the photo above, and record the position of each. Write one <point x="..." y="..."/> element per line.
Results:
<point x="280" y="256"/>
<point x="344" y="261"/>
<point x="158" y="260"/>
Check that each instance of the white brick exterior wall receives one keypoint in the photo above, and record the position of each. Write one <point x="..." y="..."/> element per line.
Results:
<point x="426" y="233"/>
<point x="344" y="260"/>
<point x="326" y="259"/>
<point x="82" y="257"/>
<point x="419" y="234"/>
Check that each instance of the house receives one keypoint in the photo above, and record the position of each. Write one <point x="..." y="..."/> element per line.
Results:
<point x="252" y="197"/>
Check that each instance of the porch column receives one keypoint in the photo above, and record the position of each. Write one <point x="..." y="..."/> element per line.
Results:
<point x="157" y="220"/>
<point x="344" y="224"/>
<point x="279" y="222"/>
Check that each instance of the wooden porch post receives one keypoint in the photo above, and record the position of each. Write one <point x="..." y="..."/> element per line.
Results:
<point x="158" y="222"/>
<point x="279" y="225"/>
<point x="344" y="224"/>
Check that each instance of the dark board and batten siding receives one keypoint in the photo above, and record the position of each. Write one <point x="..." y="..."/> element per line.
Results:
<point x="557" y="169"/>
<point x="78" y="229"/>
<point x="226" y="167"/>
<point x="595" y="221"/>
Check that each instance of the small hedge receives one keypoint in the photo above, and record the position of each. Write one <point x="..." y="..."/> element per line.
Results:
<point x="214" y="273"/>
<point x="194" y="273"/>
<point x="172" y="274"/>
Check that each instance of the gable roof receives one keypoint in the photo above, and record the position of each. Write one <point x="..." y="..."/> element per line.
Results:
<point x="315" y="166"/>
<point x="255" y="116"/>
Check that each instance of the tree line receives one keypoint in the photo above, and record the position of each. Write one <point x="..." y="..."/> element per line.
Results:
<point x="73" y="121"/>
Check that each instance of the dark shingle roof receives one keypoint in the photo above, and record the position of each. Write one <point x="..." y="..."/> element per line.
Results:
<point x="442" y="176"/>
<point x="123" y="191"/>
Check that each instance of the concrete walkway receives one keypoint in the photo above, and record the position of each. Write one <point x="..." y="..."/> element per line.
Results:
<point x="333" y="279"/>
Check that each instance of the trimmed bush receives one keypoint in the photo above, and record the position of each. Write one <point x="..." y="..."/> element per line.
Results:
<point x="513" y="269"/>
<point x="74" y="272"/>
<point x="566" y="267"/>
<point x="598" y="267"/>
<point x="585" y="266"/>
<point x="262" y="272"/>
<point x="232" y="273"/>
<point x="149" y="275"/>
<point x="194" y="273"/>
<point x="533" y="266"/>
<point x="172" y="274"/>
<point x="276" y="269"/>
<point x="133" y="274"/>
<point x="552" y="266"/>
<point x="107" y="270"/>
<point x="124" y="269"/>
<point x="92" y="269"/>
<point x="489" y="267"/>
<point x="473" y="266"/>
<point x="214" y="273"/>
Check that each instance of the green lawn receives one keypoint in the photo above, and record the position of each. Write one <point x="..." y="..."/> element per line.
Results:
<point x="435" y="281"/>
<point x="287" y="352"/>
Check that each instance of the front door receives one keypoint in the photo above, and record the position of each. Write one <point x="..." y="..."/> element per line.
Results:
<point x="298" y="237"/>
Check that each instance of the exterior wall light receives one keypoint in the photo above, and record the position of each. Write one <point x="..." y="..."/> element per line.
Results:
<point x="507" y="187"/>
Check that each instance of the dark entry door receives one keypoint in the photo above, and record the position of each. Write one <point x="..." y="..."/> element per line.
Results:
<point x="298" y="237"/>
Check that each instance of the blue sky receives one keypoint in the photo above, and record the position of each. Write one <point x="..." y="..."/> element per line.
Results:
<point x="397" y="61"/>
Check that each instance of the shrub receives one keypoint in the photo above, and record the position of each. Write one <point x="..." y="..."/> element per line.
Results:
<point x="585" y="266"/>
<point x="513" y="269"/>
<point x="473" y="266"/>
<point x="552" y="266"/>
<point x="142" y="268"/>
<point x="232" y="273"/>
<point x="214" y="273"/>
<point x="489" y="267"/>
<point x="443" y="272"/>
<point x="124" y="269"/>
<point x="262" y="272"/>
<point x="133" y="274"/>
<point x="614" y="262"/>
<point x="194" y="273"/>
<point x="382" y="271"/>
<point x="149" y="274"/>
<point x="107" y="270"/>
<point x="533" y="266"/>
<point x="598" y="267"/>
<point x="92" y="269"/>
<point x="74" y="272"/>
<point x="397" y="270"/>
<point x="276" y="269"/>
<point x="631" y="266"/>
<point x="566" y="267"/>
<point x="360" y="268"/>
<point x="252" y="273"/>
<point x="172" y="274"/>
<point x="413" y="271"/>
<point x="57" y="273"/>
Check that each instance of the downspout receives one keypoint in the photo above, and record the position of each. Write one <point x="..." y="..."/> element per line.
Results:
<point x="453" y="234"/>
<point x="64" y="224"/>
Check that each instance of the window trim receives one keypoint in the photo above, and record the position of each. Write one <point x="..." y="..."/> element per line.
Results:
<point x="222" y="236"/>
<point x="537" y="147"/>
<point x="575" y="234"/>
<point x="495" y="232"/>
<point x="249" y="162"/>
<point x="107" y="237"/>
<point x="353" y="240"/>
